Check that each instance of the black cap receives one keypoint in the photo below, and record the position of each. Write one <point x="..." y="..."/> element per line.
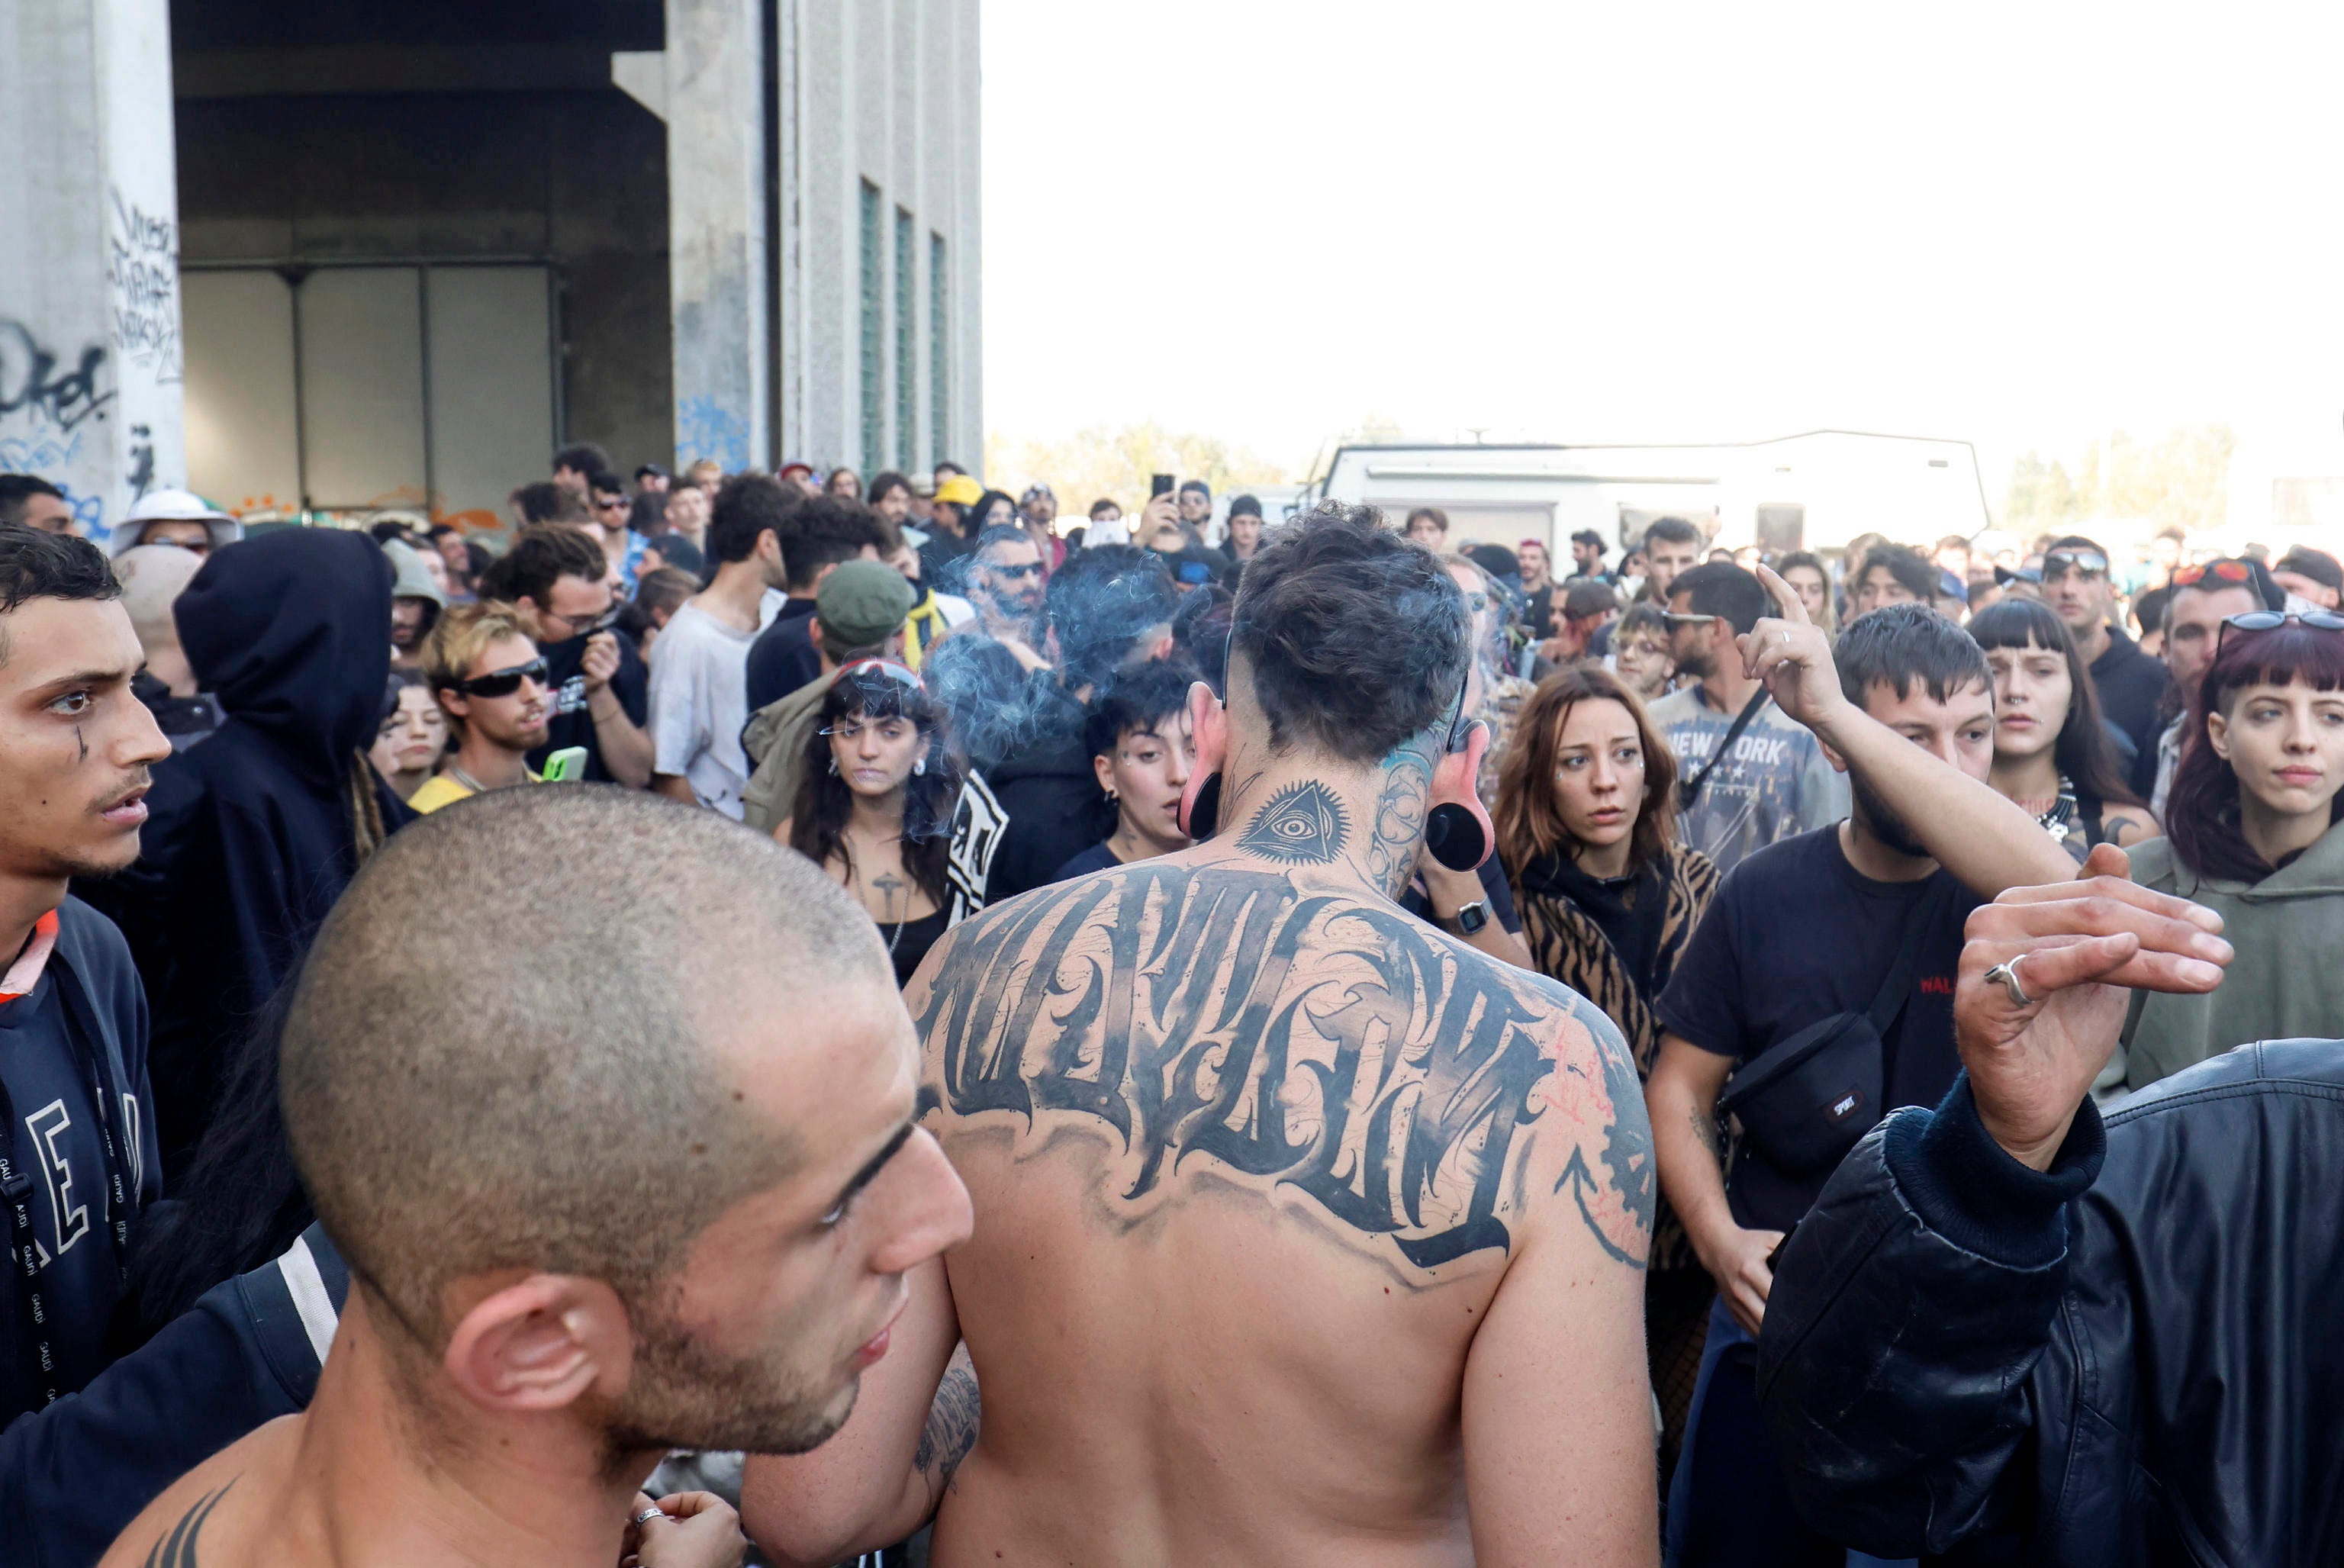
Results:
<point x="1244" y="505"/>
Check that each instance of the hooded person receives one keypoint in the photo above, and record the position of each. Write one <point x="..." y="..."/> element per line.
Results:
<point x="254" y="833"/>
<point x="416" y="601"/>
<point x="177" y="517"/>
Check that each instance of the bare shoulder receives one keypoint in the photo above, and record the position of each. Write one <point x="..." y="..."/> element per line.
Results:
<point x="211" y="1513"/>
<point x="2129" y="825"/>
<point x="1412" y="1096"/>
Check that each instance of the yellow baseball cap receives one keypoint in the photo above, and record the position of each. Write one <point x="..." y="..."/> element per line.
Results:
<point x="960" y="490"/>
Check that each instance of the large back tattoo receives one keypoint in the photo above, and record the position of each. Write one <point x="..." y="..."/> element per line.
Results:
<point x="1225" y="1016"/>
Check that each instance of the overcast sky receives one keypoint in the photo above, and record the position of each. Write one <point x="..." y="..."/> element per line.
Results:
<point x="2022" y="225"/>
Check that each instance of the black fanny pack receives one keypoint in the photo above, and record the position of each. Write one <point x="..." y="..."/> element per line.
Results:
<point x="1805" y="1103"/>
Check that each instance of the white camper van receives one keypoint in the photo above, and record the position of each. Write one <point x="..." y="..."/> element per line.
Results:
<point x="1813" y="491"/>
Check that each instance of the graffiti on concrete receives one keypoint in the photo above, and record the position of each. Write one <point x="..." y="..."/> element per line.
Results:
<point x="142" y="280"/>
<point x="141" y="477"/>
<point x="44" y="390"/>
<point x="705" y="429"/>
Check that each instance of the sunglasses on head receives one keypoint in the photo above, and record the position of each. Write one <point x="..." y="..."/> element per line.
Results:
<point x="2232" y="571"/>
<point x="2272" y="620"/>
<point x="503" y="683"/>
<point x="899" y="674"/>
<point x="2090" y="562"/>
<point x="1675" y="621"/>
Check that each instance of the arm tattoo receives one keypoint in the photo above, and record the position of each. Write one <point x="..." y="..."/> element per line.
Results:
<point x="1400" y="810"/>
<point x="1303" y="824"/>
<point x="1317" y="1044"/>
<point x="1618" y="1207"/>
<point x="177" y="1548"/>
<point x="952" y="1421"/>
<point x="1704" y="1127"/>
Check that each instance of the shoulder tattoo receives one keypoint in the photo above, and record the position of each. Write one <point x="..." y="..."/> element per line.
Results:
<point x="952" y="1421"/>
<point x="177" y="1548"/>
<point x="1336" y="1049"/>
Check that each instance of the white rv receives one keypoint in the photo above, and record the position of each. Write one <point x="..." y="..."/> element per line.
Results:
<point x="1813" y="491"/>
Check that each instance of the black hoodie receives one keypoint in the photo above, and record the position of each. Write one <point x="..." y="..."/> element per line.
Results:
<point x="1051" y="796"/>
<point x="251" y="836"/>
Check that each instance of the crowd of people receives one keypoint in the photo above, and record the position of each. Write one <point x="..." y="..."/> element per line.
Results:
<point x="1173" y="1038"/>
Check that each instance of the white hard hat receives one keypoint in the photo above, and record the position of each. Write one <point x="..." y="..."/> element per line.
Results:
<point x="175" y="506"/>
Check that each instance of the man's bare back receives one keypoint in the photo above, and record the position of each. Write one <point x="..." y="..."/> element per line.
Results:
<point x="1254" y="1154"/>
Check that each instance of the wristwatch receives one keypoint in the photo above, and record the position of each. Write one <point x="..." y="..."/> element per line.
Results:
<point x="1472" y="916"/>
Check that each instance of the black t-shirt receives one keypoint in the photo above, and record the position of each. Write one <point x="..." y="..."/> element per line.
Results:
<point x="1098" y="857"/>
<point x="1537" y="614"/>
<point x="1495" y="890"/>
<point x="783" y="658"/>
<point x="573" y="725"/>
<point x="1795" y="934"/>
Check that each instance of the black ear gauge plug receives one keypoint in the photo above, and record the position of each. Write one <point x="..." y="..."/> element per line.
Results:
<point x="1205" y="814"/>
<point x="1452" y="834"/>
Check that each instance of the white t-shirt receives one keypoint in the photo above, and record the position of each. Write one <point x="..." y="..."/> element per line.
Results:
<point x="700" y="701"/>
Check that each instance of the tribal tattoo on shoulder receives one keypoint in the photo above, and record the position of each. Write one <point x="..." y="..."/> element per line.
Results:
<point x="1223" y="1017"/>
<point x="954" y="1418"/>
<point x="176" y="1549"/>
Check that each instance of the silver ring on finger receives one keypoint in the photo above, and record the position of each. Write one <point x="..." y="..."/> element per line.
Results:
<point x="2007" y="974"/>
<point x="648" y="1514"/>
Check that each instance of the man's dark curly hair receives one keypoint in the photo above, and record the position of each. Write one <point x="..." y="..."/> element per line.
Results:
<point x="1355" y="639"/>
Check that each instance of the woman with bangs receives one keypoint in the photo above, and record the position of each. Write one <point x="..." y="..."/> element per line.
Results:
<point x="1586" y="815"/>
<point x="874" y="805"/>
<point x="2251" y="834"/>
<point x="2052" y="754"/>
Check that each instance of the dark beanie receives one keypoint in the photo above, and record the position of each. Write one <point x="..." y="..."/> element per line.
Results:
<point x="1244" y="505"/>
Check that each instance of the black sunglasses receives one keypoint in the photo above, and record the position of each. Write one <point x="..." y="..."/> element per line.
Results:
<point x="1031" y="569"/>
<point x="2272" y="620"/>
<point x="503" y="683"/>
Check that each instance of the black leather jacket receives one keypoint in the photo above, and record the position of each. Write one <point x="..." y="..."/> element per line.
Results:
<point x="2134" y="1358"/>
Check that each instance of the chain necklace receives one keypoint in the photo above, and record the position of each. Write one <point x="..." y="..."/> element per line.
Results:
<point x="2059" y="822"/>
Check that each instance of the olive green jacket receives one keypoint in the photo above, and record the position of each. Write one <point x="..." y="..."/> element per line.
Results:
<point x="2286" y="981"/>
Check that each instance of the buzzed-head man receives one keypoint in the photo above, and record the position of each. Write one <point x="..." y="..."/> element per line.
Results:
<point x="648" y="1179"/>
<point x="1306" y="1232"/>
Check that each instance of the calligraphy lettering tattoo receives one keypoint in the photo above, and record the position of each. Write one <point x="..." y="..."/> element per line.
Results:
<point x="1303" y="824"/>
<point x="1325" y="1047"/>
<point x="953" y="1422"/>
<point x="1399" y="830"/>
<point x="177" y="1549"/>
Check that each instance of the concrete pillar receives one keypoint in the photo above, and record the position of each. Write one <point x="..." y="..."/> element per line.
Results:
<point x="717" y="261"/>
<point x="90" y="347"/>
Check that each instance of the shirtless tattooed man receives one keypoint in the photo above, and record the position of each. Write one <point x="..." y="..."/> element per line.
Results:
<point x="1305" y="1233"/>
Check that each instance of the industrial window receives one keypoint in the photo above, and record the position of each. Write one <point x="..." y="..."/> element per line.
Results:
<point x="939" y="337"/>
<point x="874" y="366"/>
<point x="907" y="418"/>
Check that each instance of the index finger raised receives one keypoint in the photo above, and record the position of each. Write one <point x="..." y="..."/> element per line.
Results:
<point x="1788" y="605"/>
